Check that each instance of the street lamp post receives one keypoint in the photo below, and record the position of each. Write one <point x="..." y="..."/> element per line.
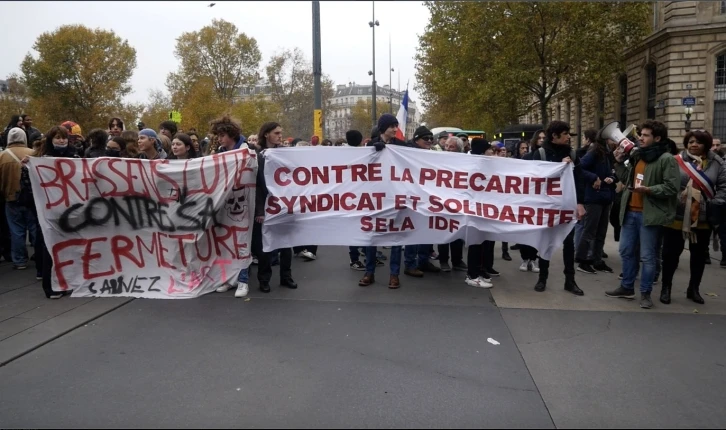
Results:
<point x="390" y="76"/>
<point x="373" y="25"/>
<point x="689" y="112"/>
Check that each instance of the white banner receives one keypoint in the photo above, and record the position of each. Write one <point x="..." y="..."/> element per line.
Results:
<point x="406" y="196"/>
<point x="140" y="228"/>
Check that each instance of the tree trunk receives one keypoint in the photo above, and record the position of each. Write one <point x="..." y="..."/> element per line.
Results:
<point x="543" y="110"/>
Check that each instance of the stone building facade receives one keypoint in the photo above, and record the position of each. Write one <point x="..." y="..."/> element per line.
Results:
<point x="685" y="55"/>
<point x="338" y="117"/>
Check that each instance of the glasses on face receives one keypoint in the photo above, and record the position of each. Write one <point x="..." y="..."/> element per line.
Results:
<point x="428" y="139"/>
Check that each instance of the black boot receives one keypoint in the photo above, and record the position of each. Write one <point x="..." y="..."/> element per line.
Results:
<point x="571" y="286"/>
<point x="665" y="295"/>
<point x="694" y="294"/>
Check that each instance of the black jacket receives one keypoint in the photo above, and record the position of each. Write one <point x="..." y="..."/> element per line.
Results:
<point x="557" y="153"/>
<point x="261" y="191"/>
<point x="394" y="141"/>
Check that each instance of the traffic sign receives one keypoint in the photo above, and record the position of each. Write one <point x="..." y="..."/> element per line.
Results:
<point x="689" y="101"/>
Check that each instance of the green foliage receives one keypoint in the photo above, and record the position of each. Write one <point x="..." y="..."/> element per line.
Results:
<point x="482" y="63"/>
<point x="219" y="52"/>
<point x="79" y="74"/>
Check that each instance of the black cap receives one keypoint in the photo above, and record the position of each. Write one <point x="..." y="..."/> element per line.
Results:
<point x="462" y="135"/>
<point x="443" y="134"/>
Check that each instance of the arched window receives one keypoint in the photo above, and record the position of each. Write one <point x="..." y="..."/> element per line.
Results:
<point x="623" y="84"/>
<point x="652" y="90"/>
<point x="719" y="98"/>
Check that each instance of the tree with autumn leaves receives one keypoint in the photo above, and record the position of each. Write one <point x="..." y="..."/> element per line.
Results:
<point x="83" y="75"/>
<point x="482" y="64"/>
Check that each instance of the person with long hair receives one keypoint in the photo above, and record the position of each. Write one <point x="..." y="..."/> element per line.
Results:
<point x="703" y="183"/>
<point x="270" y="136"/>
<point x="182" y="147"/>
<point x="15" y="121"/>
<point x="131" y="137"/>
<point x="57" y="146"/>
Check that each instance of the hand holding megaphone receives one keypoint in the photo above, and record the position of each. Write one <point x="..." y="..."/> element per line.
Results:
<point x="612" y="132"/>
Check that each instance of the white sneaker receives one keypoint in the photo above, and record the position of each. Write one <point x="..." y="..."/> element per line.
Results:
<point x="242" y="289"/>
<point x="478" y="282"/>
<point x="224" y="288"/>
<point x="255" y="261"/>
<point x="524" y="267"/>
<point x="309" y="255"/>
<point x="535" y="266"/>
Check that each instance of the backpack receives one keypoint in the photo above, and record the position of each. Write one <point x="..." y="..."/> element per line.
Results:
<point x="25" y="195"/>
<point x="543" y="155"/>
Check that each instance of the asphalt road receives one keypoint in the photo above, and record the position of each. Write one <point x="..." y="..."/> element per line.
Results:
<point x="332" y="354"/>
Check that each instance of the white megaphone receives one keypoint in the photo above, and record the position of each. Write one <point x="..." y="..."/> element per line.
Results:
<point x="612" y="132"/>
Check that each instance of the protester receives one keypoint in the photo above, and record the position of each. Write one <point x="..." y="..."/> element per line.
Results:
<point x="21" y="220"/>
<point x="229" y="135"/>
<point x="556" y="149"/>
<point x="168" y="128"/>
<point x="131" y="137"/>
<point x="475" y="277"/>
<point x="384" y="134"/>
<point x="590" y="136"/>
<point x="96" y="139"/>
<point x="270" y="135"/>
<point x="702" y="184"/>
<point x="182" y="147"/>
<point x="115" y="127"/>
<point x="150" y="146"/>
<point x="116" y="148"/>
<point x="600" y="184"/>
<point x="75" y="137"/>
<point x="649" y="201"/>
<point x="31" y="132"/>
<point x="57" y="145"/>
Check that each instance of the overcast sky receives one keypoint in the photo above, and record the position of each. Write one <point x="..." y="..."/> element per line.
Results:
<point x="152" y="28"/>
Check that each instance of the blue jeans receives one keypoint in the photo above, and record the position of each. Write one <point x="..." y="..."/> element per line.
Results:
<point x="633" y="233"/>
<point x="21" y="220"/>
<point x="395" y="262"/>
<point x="415" y="256"/>
<point x="244" y="276"/>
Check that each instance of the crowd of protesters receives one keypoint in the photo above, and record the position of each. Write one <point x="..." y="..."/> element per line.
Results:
<point x="659" y="199"/>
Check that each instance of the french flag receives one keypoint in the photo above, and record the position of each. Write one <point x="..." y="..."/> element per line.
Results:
<point x="401" y="117"/>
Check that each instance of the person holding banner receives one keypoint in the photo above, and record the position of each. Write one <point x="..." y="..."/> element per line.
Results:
<point x="270" y="136"/>
<point x="703" y="183"/>
<point x="386" y="135"/>
<point x="556" y="149"/>
<point x="229" y="135"/>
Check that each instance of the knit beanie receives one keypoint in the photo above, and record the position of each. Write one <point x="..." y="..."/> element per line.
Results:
<point x="422" y="131"/>
<point x="17" y="135"/>
<point x="353" y="137"/>
<point x="479" y="146"/>
<point x="385" y="121"/>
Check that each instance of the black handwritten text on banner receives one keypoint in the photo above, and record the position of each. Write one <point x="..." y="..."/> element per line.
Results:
<point x="140" y="228"/>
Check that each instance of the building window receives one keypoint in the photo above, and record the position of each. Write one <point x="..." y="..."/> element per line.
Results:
<point x="723" y="6"/>
<point x="623" y="84"/>
<point x="651" y="91"/>
<point x="719" y="99"/>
